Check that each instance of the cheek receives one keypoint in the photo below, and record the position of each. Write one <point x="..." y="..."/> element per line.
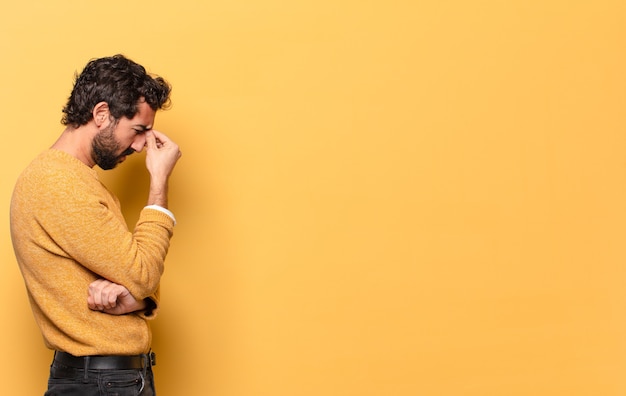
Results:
<point x="129" y="139"/>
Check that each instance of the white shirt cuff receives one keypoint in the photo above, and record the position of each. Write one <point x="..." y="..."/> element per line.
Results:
<point x="162" y="209"/>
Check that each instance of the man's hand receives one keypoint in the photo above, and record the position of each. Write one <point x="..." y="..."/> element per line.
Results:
<point x="161" y="156"/>
<point x="112" y="299"/>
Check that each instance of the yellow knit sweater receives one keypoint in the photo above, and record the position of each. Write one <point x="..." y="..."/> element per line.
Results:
<point x="67" y="231"/>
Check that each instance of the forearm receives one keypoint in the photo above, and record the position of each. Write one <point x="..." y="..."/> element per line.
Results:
<point x="158" y="193"/>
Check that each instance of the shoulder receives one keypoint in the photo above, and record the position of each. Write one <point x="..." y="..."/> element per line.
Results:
<point x="53" y="173"/>
<point x="58" y="166"/>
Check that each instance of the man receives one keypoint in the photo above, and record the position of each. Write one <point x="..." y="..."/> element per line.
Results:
<point x="91" y="282"/>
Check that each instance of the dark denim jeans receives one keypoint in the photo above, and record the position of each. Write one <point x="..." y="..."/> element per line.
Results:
<point x="68" y="381"/>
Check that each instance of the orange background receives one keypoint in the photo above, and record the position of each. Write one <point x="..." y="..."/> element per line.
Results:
<point x="375" y="197"/>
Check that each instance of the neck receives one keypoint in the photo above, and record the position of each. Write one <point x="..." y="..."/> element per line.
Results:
<point x="77" y="142"/>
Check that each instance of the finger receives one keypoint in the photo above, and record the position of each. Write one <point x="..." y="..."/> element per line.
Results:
<point x="151" y="140"/>
<point x="97" y="301"/>
<point x="161" y="139"/>
<point x="97" y="291"/>
<point x="109" y="295"/>
<point x="112" y="293"/>
<point x="160" y="135"/>
<point x="91" y="304"/>
<point x="105" y="294"/>
<point x="90" y="299"/>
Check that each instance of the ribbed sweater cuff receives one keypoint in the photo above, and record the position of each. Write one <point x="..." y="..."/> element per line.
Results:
<point x="162" y="209"/>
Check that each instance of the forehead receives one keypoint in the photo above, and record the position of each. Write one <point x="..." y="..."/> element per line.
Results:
<point x="145" y="115"/>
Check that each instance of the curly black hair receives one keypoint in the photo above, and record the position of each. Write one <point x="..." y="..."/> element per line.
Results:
<point x="119" y="82"/>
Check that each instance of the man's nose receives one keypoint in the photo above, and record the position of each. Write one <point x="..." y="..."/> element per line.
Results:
<point x="139" y="142"/>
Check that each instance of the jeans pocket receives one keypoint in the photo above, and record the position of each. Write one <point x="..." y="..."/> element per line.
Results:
<point x="123" y="383"/>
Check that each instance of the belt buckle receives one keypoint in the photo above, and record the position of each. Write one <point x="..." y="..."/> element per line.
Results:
<point x="152" y="358"/>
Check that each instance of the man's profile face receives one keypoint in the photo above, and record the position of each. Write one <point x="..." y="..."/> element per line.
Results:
<point x="106" y="149"/>
<point x="122" y="138"/>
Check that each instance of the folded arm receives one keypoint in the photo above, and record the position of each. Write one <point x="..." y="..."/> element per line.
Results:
<point x="113" y="299"/>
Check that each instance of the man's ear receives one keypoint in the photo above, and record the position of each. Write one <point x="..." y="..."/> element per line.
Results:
<point x="101" y="115"/>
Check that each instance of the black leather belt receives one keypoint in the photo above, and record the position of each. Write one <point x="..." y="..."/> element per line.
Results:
<point x="105" y="362"/>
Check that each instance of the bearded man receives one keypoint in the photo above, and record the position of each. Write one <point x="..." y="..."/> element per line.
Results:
<point x="93" y="284"/>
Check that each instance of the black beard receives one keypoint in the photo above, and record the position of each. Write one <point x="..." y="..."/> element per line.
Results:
<point x="104" y="148"/>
